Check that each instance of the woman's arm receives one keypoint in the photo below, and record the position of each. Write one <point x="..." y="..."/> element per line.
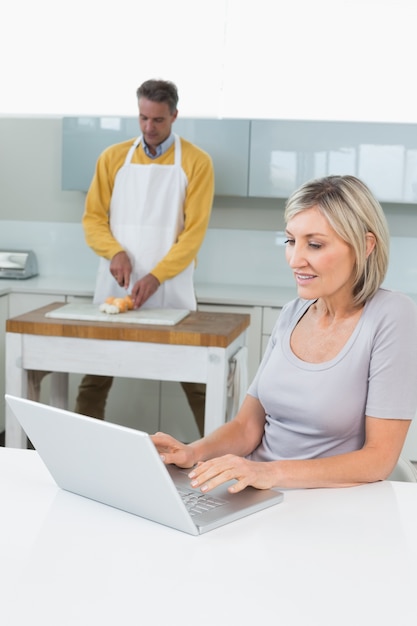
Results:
<point x="373" y="462"/>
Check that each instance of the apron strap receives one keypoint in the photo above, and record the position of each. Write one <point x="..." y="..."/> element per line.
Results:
<point x="132" y="149"/>
<point x="177" y="161"/>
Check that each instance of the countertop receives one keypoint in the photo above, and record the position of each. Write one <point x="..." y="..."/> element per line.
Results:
<point x="54" y="285"/>
<point x="207" y="293"/>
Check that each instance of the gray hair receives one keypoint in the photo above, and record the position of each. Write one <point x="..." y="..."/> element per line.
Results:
<point x="159" y="91"/>
<point x="353" y="212"/>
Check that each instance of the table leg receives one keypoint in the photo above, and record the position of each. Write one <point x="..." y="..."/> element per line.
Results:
<point x="16" y="385"/>
<point x="216" y="389"/>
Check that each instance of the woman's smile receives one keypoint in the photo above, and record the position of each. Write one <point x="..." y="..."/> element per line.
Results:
<point x="301" y="278"/>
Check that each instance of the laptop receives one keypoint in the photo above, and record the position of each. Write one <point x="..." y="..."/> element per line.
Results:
<point x="121" y="467"/>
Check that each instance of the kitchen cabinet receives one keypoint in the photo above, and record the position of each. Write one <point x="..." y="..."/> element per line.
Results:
<point x="4" y="314"/>
<point x="226" y="141"/>
<point x="286" y="153"/>
<point x="409" y="450"/>
<point x="20" y="303"/>
<point x="269" y="318"/>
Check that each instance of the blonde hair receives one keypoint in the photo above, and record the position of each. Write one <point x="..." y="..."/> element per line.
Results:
<point x="353" y="212"/>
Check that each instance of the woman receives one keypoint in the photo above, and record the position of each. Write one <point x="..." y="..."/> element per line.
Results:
<point x="335" y="393"/>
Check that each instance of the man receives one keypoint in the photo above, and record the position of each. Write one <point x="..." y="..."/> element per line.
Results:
<point x="146" y="215"/>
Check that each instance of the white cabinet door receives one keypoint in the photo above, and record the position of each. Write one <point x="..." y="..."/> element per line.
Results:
<point x="286" y="153"/>
<point x="410" y="445"/>
<point x="227" y="142"/>
<point x="269" y="318"/>
<point x="20" y="303"/>
<point x="4" y="314"/>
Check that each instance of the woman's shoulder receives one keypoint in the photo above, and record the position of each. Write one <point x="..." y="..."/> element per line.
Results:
<point x="395" y="304"/>
<point x="389" y="297"/>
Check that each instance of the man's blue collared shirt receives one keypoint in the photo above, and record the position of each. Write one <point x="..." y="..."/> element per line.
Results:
<point x="163" y="147"/>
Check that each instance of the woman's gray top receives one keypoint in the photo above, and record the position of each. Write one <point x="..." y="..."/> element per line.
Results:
<point x="318" y="409"/>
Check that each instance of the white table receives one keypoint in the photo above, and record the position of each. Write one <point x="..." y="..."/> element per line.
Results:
<point x="200" y="349"/>
<point x="324" y="557"/>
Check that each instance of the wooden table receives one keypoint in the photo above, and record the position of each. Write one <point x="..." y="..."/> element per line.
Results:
<point x="197" y="349"/>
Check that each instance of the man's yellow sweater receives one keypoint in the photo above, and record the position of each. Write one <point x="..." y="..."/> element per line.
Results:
<point x="198" y="169"/>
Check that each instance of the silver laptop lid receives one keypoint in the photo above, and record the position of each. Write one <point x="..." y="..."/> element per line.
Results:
<point x="106" y="462"/>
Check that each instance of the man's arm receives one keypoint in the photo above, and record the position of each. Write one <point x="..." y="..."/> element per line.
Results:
<point x="95" y="220"/>
<point x="197" y="210"/>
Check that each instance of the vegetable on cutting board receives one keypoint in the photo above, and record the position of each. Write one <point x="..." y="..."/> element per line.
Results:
<point x="116" y="305"/>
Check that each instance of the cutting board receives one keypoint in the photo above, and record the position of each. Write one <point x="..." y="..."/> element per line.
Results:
<point x="85" y="311"/>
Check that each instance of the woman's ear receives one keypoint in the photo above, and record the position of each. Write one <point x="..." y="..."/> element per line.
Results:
<point x="370" y="243"/>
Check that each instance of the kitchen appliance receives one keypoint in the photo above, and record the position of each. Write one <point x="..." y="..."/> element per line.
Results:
<point x="18" y="264"/>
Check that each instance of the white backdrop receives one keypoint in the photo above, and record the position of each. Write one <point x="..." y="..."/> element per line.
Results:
<point x="289" y="59"/>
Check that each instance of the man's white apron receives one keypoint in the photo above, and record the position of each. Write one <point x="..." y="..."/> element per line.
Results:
<point x="146" y="217"/>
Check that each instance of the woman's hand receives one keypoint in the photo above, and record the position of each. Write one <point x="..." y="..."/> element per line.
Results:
<point x="209" y="474"/>
<point x="173" y="451"/>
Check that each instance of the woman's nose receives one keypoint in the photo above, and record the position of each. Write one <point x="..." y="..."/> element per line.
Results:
<point x="295" y="257"/>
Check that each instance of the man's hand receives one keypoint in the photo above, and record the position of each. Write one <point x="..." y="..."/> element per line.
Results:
<point x="144" y="289"/>
<point x="121" y="268"/>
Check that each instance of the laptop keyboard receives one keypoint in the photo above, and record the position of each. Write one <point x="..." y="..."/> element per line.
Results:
<point x="198" y="503"/>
